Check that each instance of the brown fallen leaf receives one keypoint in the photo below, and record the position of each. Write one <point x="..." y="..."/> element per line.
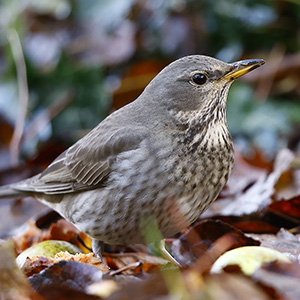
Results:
<point x="137" y="262"/>
<point x="173" y="284"/>
<point x="208" y="258"/>
<point x="137" y="290"/>
<point x="252" y="224"/>
<point x="13" y="283"/>
<point x="66" y="280"/>
<point x="234" y="287"/>
<point x="202" y="235"/>
<point x="257" y="196"/>
<point x="283" y="241"/>
<point x="290" y="208"/>
<point x="66" y="231"/>
<point x="61" y="230"/>
<point x="37" y="263"/>
<point x="283" y="277"/>
<point x="31" y="235"/>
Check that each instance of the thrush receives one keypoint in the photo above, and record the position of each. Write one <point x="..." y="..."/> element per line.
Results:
<point x="164" y="157"/>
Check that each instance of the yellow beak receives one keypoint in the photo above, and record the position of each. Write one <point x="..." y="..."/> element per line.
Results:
<point x="242" y="67"/>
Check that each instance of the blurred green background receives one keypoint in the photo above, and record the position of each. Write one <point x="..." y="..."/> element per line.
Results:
<point x="86" y="58"/>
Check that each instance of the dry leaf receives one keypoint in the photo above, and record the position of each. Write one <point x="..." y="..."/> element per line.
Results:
<point x="255" y="197"/>
<point x="284" y="242"/>
<point x="13" y="283"/>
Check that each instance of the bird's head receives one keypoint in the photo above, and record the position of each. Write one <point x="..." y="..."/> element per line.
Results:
<point x="197" y="82"/>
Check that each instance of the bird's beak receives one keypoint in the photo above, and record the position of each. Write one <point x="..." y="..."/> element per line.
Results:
<point x="242" y="67"/>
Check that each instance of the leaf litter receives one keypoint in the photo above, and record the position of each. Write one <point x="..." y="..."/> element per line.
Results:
<point x="258" y="207"/>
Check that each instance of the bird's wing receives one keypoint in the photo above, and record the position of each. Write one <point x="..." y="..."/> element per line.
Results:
<point x="85" y="165"/>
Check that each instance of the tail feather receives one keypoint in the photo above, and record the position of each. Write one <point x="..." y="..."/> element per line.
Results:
<point x="7" y="192"/>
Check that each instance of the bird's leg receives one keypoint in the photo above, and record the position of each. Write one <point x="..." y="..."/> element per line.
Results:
<point x="98" y="248"/>
<point x="160" y="247"/>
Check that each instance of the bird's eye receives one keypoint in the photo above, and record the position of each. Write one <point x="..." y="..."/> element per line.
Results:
<point x="199" y="78"/>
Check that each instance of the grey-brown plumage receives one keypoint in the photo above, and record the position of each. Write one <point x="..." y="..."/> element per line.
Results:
<point x="164" y="157"/>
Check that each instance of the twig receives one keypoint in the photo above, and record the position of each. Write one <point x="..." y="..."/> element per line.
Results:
<point x="222" y="244"/>
<point x="42" y="120"/>
<point x="131" y="266"/>
<point x="18" y="56"/>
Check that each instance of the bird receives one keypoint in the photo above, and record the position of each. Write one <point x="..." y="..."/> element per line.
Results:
<point x="161" y="159"/>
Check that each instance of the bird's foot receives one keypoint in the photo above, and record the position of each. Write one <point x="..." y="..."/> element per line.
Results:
<point x="160" y="248"/>
<point x="98" y="248"/>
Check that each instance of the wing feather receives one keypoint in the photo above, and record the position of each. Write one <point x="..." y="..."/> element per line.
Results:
<point x="85" y="165"/>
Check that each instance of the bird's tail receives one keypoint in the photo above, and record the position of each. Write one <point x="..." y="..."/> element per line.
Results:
<point x="7" y="192"/>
